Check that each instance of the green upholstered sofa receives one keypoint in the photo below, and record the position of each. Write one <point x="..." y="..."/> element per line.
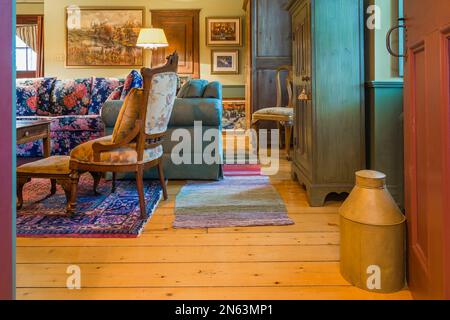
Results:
<point x="197" y="100"/>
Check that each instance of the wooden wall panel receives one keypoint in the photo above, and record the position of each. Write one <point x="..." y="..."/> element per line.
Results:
<point x="7" y="249"/>
<point x="182" y="32"/>
<point x="271" y="48"/>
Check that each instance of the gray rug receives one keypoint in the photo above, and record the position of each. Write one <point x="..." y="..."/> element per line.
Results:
<point x="232" y="202"/>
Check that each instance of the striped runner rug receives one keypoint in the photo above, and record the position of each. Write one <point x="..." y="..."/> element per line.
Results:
<point x="237" y="170"/>
<point x="235" y="201"/>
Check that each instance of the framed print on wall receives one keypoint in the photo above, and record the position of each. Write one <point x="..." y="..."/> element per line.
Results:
<point x="224" y="61"/>
<point x="226" y="31"/>
<point x="103" y="37"/>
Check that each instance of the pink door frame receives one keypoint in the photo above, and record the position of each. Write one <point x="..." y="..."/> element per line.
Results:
<point x="7" y="150"/>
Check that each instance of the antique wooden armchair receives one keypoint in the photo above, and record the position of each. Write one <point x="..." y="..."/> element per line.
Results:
<point x="136" y="144"/>
<point x="282" y="115"/>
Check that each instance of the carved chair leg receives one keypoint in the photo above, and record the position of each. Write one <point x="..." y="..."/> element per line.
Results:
<point x="114" y="178"/>
<point x="288" y="135"/>
<point x="53" y="187"/>
<point x="70" y="187"/>
<point x="66" y="186"/>
<point x="97" y="177"/>
<point x="140" y="189"/>
<point x="162" y="180"/>
<point x="20" y="183"/>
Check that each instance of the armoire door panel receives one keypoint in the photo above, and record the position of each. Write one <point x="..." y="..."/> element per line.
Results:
<point x="303" y="148"/>
<point x="328" y="57"/>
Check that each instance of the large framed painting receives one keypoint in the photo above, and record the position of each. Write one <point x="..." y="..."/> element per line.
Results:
<point x="103" y="37"/>
<point x="224" y="61"/>
<point x="224" y="31"/>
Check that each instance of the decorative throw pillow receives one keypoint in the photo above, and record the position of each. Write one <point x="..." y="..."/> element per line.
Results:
<point x="71" y="97"/>
<point x="44" y="92"/>
<point x="44" y="87"/>
<point x="102" y="88"/>
<point x="26" y="100"/>
<point x="133" y="80"/>
<point x="183" y="90"/>
<point x="196" y="88"/>
<point x="213" y="90"/>
<point x="128" y="115"/>
<point x="116" y="94"/>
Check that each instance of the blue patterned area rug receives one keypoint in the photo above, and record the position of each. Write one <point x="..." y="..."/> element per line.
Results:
<point x="105" y="215"/>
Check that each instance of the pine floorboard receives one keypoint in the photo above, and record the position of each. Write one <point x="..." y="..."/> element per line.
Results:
<point x="291" y="262"/>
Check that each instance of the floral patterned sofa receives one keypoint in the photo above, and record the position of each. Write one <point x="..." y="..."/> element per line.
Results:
<point x="73" y="106"/>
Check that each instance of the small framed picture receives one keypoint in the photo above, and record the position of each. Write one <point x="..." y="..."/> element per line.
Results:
<point x="224" y="61"/>
<point x="224" y="31"/>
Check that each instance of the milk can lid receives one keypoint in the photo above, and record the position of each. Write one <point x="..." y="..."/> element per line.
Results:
<point x="370" y="179"/>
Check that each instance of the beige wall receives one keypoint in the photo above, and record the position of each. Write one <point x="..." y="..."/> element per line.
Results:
<point x="55" y="34"/>
<point x="29" y="7"/>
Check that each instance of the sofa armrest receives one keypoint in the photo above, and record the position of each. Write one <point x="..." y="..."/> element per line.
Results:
<point x="110" y="112"/>
<point x="186" y="111"/>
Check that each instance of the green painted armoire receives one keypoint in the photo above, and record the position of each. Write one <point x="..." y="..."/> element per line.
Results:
<point x="328" y="61"/>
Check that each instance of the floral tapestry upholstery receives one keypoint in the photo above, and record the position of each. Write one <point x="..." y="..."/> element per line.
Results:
<point x="120" y="156"/>
<point x="77" y="123"/>
<point x="31" y="149"/>
<point x="279" y="111"/>
<point x="160" y="102"/>
<point x="26" y="100"/>
<point x="71" y="97"/>
<point x="73" y="106"/>
<point x="66" y="132"/>
<point x="61" y="143"/>
<point x="43" y="87"/>
<point x="133" y="80"/>
<point x="102" y="88"/>
<point x="128" y="115"/>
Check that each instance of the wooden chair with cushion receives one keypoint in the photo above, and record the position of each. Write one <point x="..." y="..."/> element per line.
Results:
<point x="283" y="115"/>
<point x="136" y="143"/>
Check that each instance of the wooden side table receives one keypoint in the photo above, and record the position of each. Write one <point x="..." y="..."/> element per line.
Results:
<point x="33" y="130"/>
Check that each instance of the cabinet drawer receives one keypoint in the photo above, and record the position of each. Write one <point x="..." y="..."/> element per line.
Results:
<point x="32" y="133"/>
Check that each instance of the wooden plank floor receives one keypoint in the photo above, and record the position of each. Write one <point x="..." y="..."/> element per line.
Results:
<point x="293" y="262"/>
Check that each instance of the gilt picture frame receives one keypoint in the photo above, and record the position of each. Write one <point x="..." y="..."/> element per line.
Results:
<point x="224" y="61"/>
<point x="224" y="31"/>
<point x="103" y="37"/>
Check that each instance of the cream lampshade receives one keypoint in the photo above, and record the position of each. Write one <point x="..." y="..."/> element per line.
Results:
<point x="152" y="38"/>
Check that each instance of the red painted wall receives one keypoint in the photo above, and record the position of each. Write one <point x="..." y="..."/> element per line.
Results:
<point x="7" y="283"/>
